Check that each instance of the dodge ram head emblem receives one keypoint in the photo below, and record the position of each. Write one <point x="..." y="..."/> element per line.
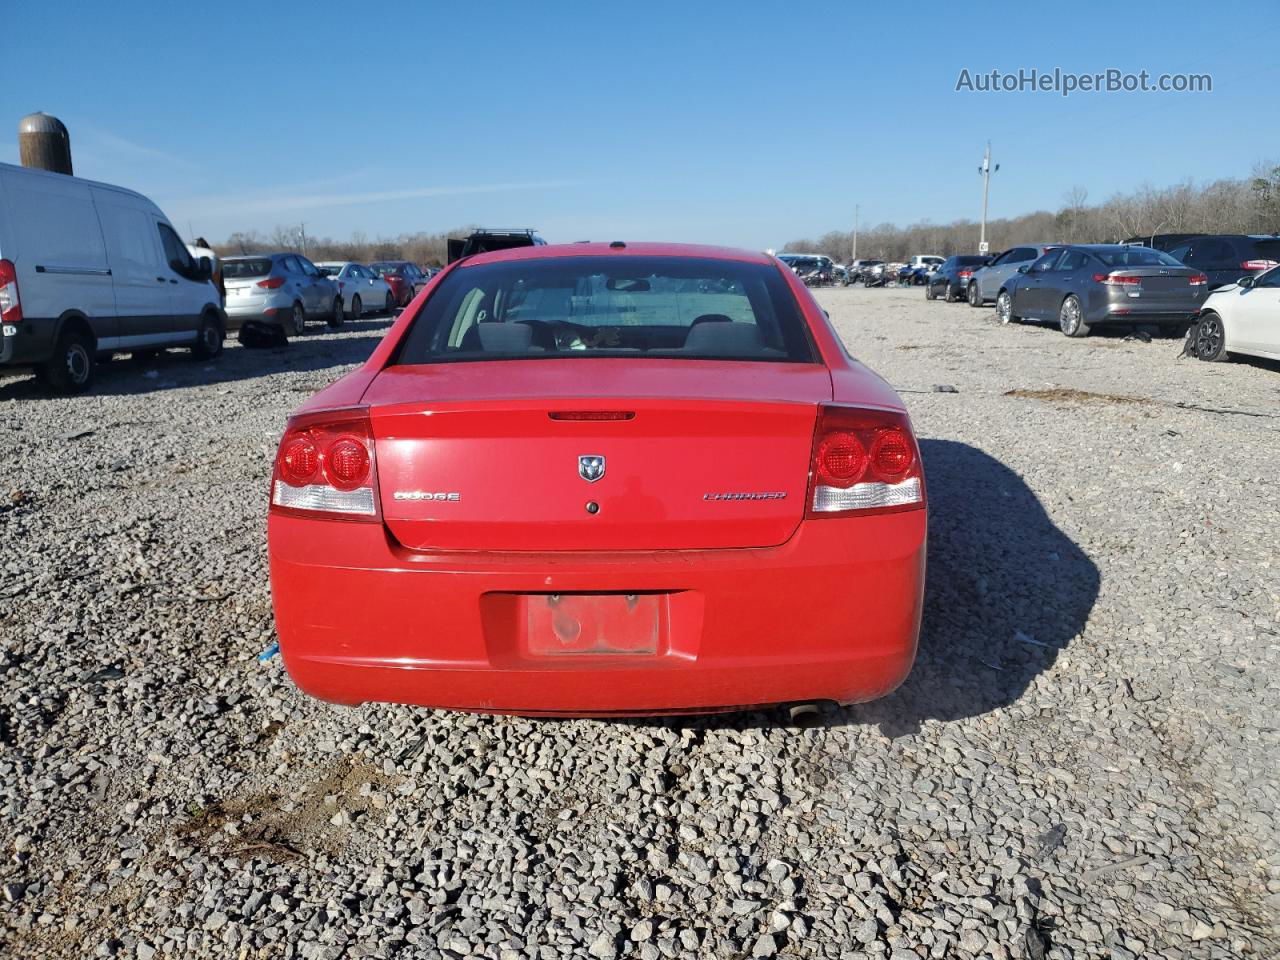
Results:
<point x="590" y="467"/>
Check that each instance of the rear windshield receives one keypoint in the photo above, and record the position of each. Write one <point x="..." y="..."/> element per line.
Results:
<point x="971" y="261"/>
<point x="1267" y="249"/>
<point x="1136" y="257"/>
<point x="328" y="271"/>
<point x="388" y="269"/>
<point x="242" y="269"/>
<point x="670" y="307"/>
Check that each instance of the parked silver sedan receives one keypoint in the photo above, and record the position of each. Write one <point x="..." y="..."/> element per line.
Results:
<point x="282" y="290"/>
<point x="1082" y="286"/>
<point x="363" y="291"/>
<point x="988" y="281"/>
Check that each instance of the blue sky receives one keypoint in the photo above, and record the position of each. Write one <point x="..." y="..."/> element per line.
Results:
<point x="742" y="123"/>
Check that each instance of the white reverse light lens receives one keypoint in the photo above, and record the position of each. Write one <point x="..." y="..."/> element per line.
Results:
<point x="316" y="496"/>
<point x="866" y="496"/>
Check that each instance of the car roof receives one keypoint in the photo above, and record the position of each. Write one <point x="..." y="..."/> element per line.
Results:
<point x="553" y="250"/>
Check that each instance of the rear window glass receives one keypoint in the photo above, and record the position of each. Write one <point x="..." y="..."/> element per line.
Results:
<point x="970" y="261"/>
<point x="388" y="269"/>
<point x="239" y="269"/>
<point x="669" y="307"/>
<point x="328" y="271"/>
<point x="1267" y="249"/>
<point x="1136" y="257"/>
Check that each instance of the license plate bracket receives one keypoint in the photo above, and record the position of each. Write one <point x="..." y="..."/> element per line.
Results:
<point x="595" y="624"/>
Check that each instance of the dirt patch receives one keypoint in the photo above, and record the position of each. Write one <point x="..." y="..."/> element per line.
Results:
<point x="1064" y="395"/>
<point x="282" y="825"/>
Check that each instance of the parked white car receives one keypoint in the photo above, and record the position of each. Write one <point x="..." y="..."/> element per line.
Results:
<point x="87" y="269"/>
<point x="363" y="291"/>
<point x="1243" y="317"/>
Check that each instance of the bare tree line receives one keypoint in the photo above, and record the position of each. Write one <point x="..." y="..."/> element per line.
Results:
<point x="425" y="249"/>
<point x="1247" y="205"/>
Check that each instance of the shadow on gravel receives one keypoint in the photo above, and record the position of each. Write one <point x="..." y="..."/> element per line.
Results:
<point x="1004" y="592"/>
<point x="175" y="369"/>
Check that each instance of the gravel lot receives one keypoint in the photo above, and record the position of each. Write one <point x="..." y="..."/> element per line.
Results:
<point x="1082" y="764"/>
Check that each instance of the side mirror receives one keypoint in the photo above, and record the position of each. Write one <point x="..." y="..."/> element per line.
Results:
<point x="1245" y="282"/>
<point x="1025" y="268"/>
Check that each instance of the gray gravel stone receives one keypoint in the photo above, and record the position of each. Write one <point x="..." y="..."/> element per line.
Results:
<point x="1098" y="664"/>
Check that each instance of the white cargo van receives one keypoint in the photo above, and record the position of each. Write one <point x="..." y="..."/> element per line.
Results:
<point x="87" y="269"/>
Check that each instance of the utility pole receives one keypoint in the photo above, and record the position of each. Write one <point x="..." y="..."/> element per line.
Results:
<point x="986" y="170"/>
<point x="855" y="232"/>
<point x="302" y="234"/>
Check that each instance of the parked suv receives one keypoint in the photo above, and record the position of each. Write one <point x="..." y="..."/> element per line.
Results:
<point x="282" y="290"/>
<point x="87" y="269"/>
<point x="987" y="282"/>
<point x="1225" y="259"/>
<point x="485" y="241"/>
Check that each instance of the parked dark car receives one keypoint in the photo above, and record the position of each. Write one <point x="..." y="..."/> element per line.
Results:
<point x="488" y="240"/>
<point x="952" y="278"/>
<point x="1226" y="258"/>
<point x="1162" y="241"/>
<point x="1081" y="286"/>
<point x="987" y="282"/>
<point x="404" y="278"/>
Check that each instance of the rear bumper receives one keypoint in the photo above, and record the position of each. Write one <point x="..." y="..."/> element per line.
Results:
<point x="1156" y="317"/>
<point x="272" y="309"/>
<point x="833" y="614"/>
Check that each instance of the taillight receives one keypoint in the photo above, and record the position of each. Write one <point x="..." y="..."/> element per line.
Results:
<point x="965" y="274"/>
<point x="325" y="467"/>
<point x="1259" y="264"/>
<point x="271" y="282"/>
<point x="864" y="461"/>
<point x="10" y="301"/>
<point x="1197" y="280"/>
<point x="1114" y="280"/>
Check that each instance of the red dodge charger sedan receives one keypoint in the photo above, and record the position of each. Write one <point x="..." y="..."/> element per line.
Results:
<point x="601" y="479"/>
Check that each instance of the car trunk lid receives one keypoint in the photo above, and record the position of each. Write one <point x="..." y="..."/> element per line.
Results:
<point x="594" y="454"/>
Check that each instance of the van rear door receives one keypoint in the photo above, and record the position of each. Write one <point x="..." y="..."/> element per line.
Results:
<point x="55" y="243"/>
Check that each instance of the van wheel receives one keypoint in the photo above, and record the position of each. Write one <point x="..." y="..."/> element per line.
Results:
<point x="299" y="319"/>
<point x="70" y="369"/>
<point x="208" y="338"/>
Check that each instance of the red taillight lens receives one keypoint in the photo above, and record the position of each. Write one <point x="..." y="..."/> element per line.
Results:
<point x="346" y="463"/>
<point x="326" y="467"/>
<point x="965" y="274"/>
<point x="299" y="460"/>
<point x="1197" y="280"/>
<point x="892" y="454"/>
<point x="841" y="460"/>
<point x="10" y="301"/>
<point x="271" y="283"/>
<point x="1113" y="280"/>
<point x="1259" y="264"/>
<point x="864" y="461"/>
